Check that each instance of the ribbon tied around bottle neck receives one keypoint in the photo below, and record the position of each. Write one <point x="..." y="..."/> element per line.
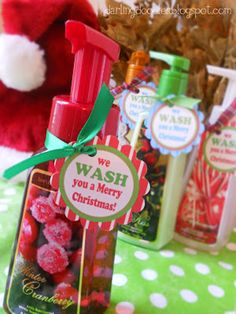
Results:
<point x="56" y="148"/>
<point x="178" y="100"/>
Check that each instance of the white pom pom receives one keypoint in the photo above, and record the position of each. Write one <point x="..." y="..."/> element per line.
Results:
<point x="22" y="64"/>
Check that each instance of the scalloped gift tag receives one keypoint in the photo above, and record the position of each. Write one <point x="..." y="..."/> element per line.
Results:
<point x="174" y="129"/>
<point x="132" y="104"/>
<point x="220" y="150"/>
<point x="104" y="189"/>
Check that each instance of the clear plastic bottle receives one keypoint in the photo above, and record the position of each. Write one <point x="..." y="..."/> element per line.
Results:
<point x="56" y="265"/>
<point x="154" y="226"/>
<point x="207" y="212"/>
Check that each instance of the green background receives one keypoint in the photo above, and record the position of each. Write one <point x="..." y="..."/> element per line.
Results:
<point x="175" y="280"/>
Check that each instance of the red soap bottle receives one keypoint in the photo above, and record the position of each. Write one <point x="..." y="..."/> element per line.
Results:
<point x="56" y="266"/>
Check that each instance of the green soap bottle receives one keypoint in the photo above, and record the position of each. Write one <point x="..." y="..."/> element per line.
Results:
<point x="154" y="226"/>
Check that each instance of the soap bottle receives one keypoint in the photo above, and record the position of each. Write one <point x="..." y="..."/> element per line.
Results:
<point x="54" y="264"/>
<point x="137" y="62"/>
<point x="139" y="227"/>
<point x="207" y="212"/>
<point x="154" y="226"/>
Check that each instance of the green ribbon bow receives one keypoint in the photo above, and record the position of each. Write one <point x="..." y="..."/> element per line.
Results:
<point x="57" y="148"/>
<point x="178" y="100"/>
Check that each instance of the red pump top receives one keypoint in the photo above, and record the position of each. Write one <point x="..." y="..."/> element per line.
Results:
<point x="94" y="54"/>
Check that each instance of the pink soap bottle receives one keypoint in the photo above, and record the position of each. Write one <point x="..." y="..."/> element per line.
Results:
<point x="56" y="266"/>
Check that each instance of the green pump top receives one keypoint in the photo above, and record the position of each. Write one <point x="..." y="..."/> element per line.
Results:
<point x="172" y="81"/>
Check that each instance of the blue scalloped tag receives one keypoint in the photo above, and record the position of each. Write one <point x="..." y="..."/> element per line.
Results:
<point x="132" y="104"/>
<point x="174" y="129"/>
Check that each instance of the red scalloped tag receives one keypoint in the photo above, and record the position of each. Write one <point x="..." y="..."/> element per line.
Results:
<point x="103" y="190"/>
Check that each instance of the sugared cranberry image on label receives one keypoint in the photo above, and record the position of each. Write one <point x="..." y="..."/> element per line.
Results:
<point x="52" y="258"/>
<point x="42" y="210"/>
<point x="58" y="231"/>
<point x="66" y="291"/>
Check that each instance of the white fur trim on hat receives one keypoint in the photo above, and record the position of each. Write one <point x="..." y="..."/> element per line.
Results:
<point x="8" y="158"/>
<point x="22" y="64"/>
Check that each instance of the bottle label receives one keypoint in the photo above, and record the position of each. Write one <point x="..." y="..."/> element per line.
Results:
<point x="58" y="267"/>
<point x="103" y="189"/>
<point x="174" y="129"/>
<point x="45" y="271"/>
<point x="132" y="104"/>
<point x="144" y="225"/>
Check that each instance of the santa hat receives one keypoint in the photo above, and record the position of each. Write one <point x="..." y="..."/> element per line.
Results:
<point x="35" y="65"/>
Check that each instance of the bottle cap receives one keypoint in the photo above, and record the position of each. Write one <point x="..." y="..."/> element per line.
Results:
<point x="230" y="92"/>
<point x="94" y="55"/>
<point x="137" y="62"/>
<point x="174" y="80"/>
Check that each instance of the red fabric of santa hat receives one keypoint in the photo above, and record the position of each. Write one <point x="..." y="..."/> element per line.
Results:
<point x="35" y="65"/>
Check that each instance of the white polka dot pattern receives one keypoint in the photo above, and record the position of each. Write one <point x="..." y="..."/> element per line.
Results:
<point x="158" y="300"/>
<point x="3" y="207"/>
<point x="125" y="308"/>
<point x="202" y="269"/>
<point x="149" y="274"/>
<point x="1" y="299"/>
<point x="9" y="191"/>
<point x="164" y="281"/>
<point x="167" y="253"/>
<point x="118" y="259"/>
<point x="216" y="291"/>
<point x="177" y="271"/>
<point x="190" y="251"/>
<point x="226" y="265"/>
<point x="6" y="271"/>
<point x="119" y="280"/>
<point x="188" y="296"/>
<point x="141" y="255"/>
<point x="231" y="246"/>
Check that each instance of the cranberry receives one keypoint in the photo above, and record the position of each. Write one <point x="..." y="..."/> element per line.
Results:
<point x="150" y="159"/>
<point x="32" y="195"/>
<point x="58" y="231"/>
<point x="66" y="291"/>
<point x="27" y="250"/>
<point x="75" y="258"/>
<point x="66" y="276"/>
<point x="29" y="229"/>
<point x="145" y="146"/>
<point x="42" y="210"/>
<point x="52" y="258"/>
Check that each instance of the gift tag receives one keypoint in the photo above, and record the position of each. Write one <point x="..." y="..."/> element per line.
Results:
<point x="220" y="150"/>
<point x="132" y="104"/>
<point x="103" y="189"/>
<point x="174" y="129"/>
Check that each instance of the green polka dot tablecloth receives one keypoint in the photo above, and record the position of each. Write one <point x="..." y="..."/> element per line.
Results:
<point x="176" y="280"/>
